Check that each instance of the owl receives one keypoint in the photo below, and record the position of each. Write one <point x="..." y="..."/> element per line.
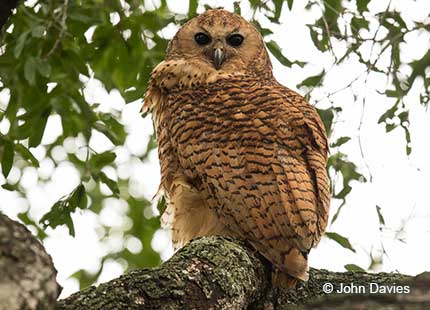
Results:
<point x="241" y="155"/>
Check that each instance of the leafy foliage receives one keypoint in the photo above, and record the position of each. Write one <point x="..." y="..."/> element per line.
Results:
<point x="61" y="211"/>
<point x="341" y="240"/>
<point x="50" y="48"/>
<point x="354" y="268"/>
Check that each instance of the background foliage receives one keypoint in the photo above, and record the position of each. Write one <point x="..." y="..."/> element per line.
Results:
<point x="50" y="48"/>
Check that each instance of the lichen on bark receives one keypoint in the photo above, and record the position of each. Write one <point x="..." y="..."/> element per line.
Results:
<point x="208" y="273"/>
<point x="211" y="272"/>
<point x="225" y="273"/>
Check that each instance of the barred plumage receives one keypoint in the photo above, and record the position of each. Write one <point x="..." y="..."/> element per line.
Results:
<point x="240" y="154"/>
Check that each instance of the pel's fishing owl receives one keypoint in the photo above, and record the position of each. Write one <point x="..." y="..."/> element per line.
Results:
<point x="240" y="154"/>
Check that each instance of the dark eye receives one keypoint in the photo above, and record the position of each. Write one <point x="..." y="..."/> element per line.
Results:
<point x="202" y="38"/>
<point x="235" y="39"/>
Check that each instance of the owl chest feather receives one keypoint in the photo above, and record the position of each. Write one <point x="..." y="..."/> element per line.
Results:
<point x="221" y="114"/>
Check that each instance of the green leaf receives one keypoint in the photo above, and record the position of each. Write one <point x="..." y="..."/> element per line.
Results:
<point x="338" y="212"/>
<point x="344" y="242"/>
<point x="404" y="116"/>
<point x="419" y="68"/>
<point x="192" y="10"/>
<point x="60" y="213"/>
<point x="312" y="81"/>
<point x="276" y="51"/>
<point x="390" y="113"/>
<point x="332" y="9"/>
<point x="340" y="163"/>
<point x="86" y="278"/>
<point x="39" y="124"/>
<point x="359" y="23"/>
<point x="28" y="221"/>
<point x="264" y="31"/>
<point x="380" y="216"/>
<point x="9" y="187"/>
<point x="362" y="5"/>
<point x="85" y="19"/>
<point x="133" y="95"/>
<point x="30" y="70"/>
<point x="7" y="157"/>
<point x="290" y="4"/>
<point x="161" y="204"/>
<point x="327" y="116"/>
<point x="390" y="127"/>
<point x="38" y="31"/>
<point x="98" y="161"/>
<point x="321" y="41"/>
<point x="342" y="194"/>
<point x="112" y="129"/>
<point x="43" y="67"/>
<point x="236" y="6"/>
<point x="354" y="268"/>
<point x="340" y="141"/>
<point x="116" y="136"/>
<point x="79" y="197"/>
<point x="26" y="154"/>
<point x="113" y="186"/>
<point x="394" y="93"/>
<point x="278" y="10"/>
<point x="20" y="44"/>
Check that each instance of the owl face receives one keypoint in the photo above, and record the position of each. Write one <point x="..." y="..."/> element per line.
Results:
<point x="220" y="40"/>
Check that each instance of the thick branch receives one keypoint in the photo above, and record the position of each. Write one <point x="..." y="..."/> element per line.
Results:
<point x="223" y="273"/>
<point x="27" y="275"/>
<point x="208" y="273"/>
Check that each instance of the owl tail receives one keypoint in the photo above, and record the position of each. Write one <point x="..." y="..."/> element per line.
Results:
<point x="290" y="265"/>
<point x="296" y="264"/>
<point x="283" y="280"/>
<point x="295" y="267"/>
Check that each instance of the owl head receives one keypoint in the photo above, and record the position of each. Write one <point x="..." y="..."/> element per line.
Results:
<point x="223" y="41"/>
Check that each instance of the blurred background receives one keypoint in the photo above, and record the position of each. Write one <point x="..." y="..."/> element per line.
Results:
<point x="79" y="162"/>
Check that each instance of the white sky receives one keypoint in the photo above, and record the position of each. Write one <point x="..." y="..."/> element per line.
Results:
<point x="400" y="184"/>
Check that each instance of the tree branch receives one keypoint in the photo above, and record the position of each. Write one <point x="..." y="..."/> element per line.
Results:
<point x="224" y="273"/>
<point x="212" y="272"/>
<point x="27" y="275"/>
<point x="208" y="273"/>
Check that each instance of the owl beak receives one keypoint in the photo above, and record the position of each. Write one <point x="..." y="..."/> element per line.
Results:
<point x="218" y="57"/>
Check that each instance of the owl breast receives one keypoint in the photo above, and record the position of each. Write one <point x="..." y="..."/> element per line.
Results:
<point x="227" y="114"/>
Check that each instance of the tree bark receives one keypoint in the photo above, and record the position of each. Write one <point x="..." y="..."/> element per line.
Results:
<point x="208" y="273"/>
<point x="27" y="275"/>
<point x="224" y="273"/>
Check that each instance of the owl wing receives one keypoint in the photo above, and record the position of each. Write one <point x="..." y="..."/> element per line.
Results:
<point x="301" y="173"/>
<point x="299" y="164"/>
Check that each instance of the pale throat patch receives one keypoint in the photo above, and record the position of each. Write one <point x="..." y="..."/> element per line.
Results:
<point x="182" y="74"/>
<point x="171" y="73"/>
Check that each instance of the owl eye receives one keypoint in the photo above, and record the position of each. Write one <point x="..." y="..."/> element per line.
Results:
<point x="235" y="40"/>
<point x="202" y="38"/>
